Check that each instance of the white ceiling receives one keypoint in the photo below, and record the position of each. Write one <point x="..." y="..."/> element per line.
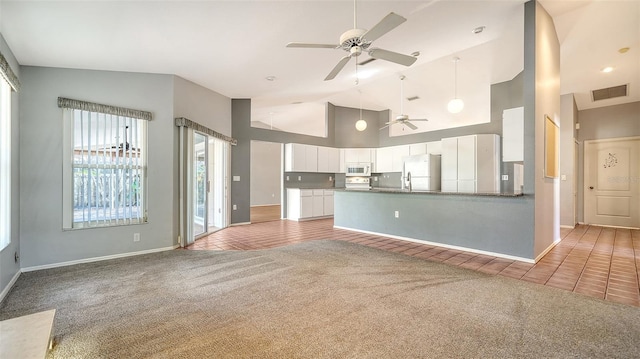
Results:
<point x="232" y="46"/>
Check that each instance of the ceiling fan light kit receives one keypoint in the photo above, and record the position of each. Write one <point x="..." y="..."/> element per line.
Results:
<point x="455" y="105"/>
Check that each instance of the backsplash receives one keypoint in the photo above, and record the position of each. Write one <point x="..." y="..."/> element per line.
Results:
<point x="309" y="180"/>
<point x="386" y="180"/>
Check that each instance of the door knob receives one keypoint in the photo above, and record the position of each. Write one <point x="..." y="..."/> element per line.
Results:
<point x="590" y="187"/>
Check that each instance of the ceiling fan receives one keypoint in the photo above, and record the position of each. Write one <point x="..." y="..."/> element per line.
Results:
<point x="402" y="118"/>
<point x="356" y="41"/>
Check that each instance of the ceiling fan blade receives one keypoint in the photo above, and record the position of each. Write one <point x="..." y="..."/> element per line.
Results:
<point x="419" y="119"/>
<point x="385" y="25"/>
<point x="338" y="68"/>
<point x="382" y="128"/>
<point x="391" y="56"/>
<point x="371" y="59"/>
<point x="410" y="125"/>
<point x="313" y="46"/>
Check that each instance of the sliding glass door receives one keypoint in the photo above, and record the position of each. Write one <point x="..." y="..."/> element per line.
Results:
<point x="209" y="184"/>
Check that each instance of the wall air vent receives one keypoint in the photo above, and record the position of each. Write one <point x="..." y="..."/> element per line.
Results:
<point x="412" y="98"/>
<point x="609" y="92"/>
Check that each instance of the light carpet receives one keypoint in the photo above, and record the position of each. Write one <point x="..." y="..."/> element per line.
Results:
<point x="319" y="299"/>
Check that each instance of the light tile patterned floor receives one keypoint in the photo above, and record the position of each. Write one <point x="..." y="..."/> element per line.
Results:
<point x="595" y="261"/>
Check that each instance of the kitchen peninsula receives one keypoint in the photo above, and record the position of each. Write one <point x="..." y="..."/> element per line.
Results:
<point x="489" y="223"/>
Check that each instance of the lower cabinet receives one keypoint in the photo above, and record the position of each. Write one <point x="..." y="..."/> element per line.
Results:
<point x="309" y="203"/>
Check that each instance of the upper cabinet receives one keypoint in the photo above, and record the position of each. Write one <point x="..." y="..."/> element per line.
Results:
<point x="359" y="155"/>
<point x="513" y="134"/>
<point x="391" y="159"/>
<point x="328" y="160"/>
<point x="309" y="158"/>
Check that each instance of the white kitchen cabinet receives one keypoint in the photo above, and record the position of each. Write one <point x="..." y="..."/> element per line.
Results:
<point x="513" y="134"/>
<point x="471" y="164"/>
<point x="434" y="148"/>
<point x="359" y="155"/>
<point x="418" y="149"/>
<point x="391" y="159"/>
<point x="305" y="204"/>
<point x="299" y="157"/>
<point x="318" y="203"/>
<point x="343" y="162"/>
<point x="328" y="159"/>
<point x="328" y="202"/>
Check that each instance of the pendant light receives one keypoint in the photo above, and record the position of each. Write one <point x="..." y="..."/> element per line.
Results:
<point x="361" y="124"/>
<point x="455" y="105"/>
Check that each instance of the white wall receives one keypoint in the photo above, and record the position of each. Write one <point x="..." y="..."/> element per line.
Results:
<point x="9" y="268"/>
<point x="547" y="102"/>
<point x="43" y="242"/>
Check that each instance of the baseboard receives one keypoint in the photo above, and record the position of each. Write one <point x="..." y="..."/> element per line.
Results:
<point x="98" y="259"/>
<point x="239" y="224"/>
<point x="568" y="227"/>
<point x="539" y="257"/>
<point x="437" y="244"/>
<point x="7" y="289"/>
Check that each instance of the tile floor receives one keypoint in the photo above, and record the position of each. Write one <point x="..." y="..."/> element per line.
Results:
<point x="595" y="261"/>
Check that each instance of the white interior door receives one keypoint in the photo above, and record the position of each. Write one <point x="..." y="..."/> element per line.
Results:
<point x="612" y="182"/>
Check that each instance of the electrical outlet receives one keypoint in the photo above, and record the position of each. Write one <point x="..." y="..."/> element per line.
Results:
<point x="330" y="178"/>
<point x="235" y="207"/>
<point x="287" y="178"/>
<point x="397" y="214"/>
<point x="299" y="178"/>
<point x="136" y="237"/>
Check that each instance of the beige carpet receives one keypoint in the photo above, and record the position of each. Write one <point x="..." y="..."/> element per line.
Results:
<point x="321" y="299"/>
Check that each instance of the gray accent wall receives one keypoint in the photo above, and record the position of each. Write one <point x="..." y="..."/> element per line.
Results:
<point x="346" y="135"/>
<point x="266" y="173"/>
<point x="9" y="267"/>
<point x="602" y="123"/>
<point x="568" y="119"/>
<point x="43" y="242"/>
<point x="486" y="223"/>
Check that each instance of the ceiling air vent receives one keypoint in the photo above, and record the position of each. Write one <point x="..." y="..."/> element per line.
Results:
<point x="610" y="92"/>
<point x="412" y="98"/>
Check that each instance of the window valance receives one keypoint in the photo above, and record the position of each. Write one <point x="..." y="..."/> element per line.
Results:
<point x="108" y="109"/>
<point x="8" y="74"/>
<point x="185" y="122"/>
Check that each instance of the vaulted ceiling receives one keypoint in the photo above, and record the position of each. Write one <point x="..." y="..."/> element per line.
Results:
<point x="231" y="47"/>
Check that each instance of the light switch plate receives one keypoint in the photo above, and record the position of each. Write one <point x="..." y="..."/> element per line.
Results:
<point x="563" y="177"/>
<point x="236" y="178"/>
<point x="505" y="177"/>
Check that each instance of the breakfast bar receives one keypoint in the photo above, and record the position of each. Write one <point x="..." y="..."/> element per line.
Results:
<point x="498" y="224"/>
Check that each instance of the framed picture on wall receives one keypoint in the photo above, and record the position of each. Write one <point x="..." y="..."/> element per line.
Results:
<point x="551" y="148"/>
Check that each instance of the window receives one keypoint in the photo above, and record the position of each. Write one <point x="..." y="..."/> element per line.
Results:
<point x="5" y="163"/>
<point x="105" y="169"/>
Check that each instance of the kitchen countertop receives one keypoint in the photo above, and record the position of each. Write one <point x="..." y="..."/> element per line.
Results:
<point x="404" y="191"/>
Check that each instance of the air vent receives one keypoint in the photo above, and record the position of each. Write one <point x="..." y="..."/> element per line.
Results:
<point x="610" y="92"/>
<point x="413" y="98"/>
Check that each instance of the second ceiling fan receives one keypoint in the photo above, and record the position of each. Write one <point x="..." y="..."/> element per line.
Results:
<point x="402" y="118"/>
<point x="356" y="41"/>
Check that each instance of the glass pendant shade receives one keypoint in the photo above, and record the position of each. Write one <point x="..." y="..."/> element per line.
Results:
<point x="455" y="106"/>
<point x="361" y="125"/>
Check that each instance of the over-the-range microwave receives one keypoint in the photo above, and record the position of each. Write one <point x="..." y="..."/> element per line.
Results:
<point x="358" y="169"/>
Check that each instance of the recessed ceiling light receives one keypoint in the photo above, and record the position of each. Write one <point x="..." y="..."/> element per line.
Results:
<point x="270" y="78"/>
<point x="623" y="50"/>
<point x="607" y="69"/>
<point x="478" y="29"/>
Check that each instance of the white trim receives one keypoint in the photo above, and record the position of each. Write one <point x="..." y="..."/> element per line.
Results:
<point x="7" y="289"/>
<point x="568" y="227"/>
<point x="98" y="259"/>
<point x="539" y="257"/>
<point x="239" y="224"/>
<point x="614" y="139"/>
<point x="437" y="244"/>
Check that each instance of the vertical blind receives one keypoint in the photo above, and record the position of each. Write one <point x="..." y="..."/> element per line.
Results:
<point x="108" y="168"/>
